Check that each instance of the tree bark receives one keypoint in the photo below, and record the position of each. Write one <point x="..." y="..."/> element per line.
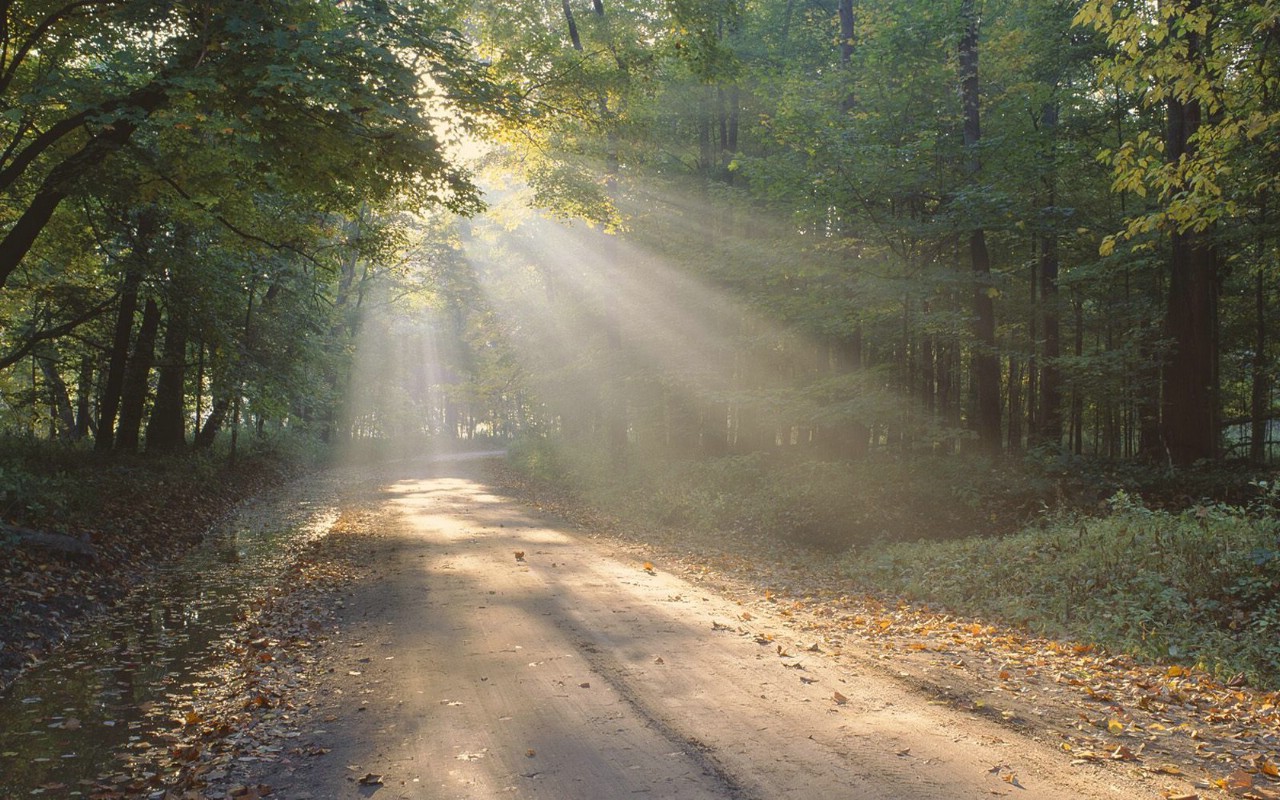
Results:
<point x="1190" y="411"/>
<point x="166" y="429"/>
<point x="1049" y="420"/>
<point x="118" y="357"/>
<point x="985" y="363"/>
<point x="213" y="423"/>
<point x="1015" y="405"/>
<point x="1260" y="390"/>
<point x="573" y="26"/>
<point x="84" y="396"/>
<point x="60" y="399"/>
<point x="133" y="399"/>
<point x="846" y="31"/>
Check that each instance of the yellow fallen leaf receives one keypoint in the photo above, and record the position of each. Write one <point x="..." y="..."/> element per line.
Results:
<point x="1115" y="726"/>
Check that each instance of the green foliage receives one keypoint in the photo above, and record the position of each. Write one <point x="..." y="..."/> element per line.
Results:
<point x="25" y="494"/>
<point x="1197" y="586"/>
<point x="537" y="457"/>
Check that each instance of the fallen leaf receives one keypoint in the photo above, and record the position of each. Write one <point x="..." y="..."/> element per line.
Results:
<point x="519" y="555"/>
<point x="839" y="698"/>
<point x="530" y="753"/>
<point x="1123" y="753"/>
<point x="370" y="779"/>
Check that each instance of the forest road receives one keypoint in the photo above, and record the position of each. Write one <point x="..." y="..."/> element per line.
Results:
<point x="495" y="653"/>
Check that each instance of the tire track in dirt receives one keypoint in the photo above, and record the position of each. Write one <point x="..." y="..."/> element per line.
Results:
<point x="492" y="652"/>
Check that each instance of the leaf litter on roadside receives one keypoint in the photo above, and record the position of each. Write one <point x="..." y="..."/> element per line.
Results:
<point x="247" y="709"/>
<point x="1172" y="721"/>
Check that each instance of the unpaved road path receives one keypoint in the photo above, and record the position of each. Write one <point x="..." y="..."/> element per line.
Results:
<point x="490" y="652"/>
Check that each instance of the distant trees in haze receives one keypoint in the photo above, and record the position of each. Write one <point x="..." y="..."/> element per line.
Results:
<point x="997" y="226"/>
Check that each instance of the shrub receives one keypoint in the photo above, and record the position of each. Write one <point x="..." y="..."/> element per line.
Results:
<point x="1200" y="586"/>
<point x="537" y="457"/>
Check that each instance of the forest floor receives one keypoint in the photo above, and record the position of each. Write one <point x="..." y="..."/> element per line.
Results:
<point x="114" y="525"/>
<point x="461" y="633"/>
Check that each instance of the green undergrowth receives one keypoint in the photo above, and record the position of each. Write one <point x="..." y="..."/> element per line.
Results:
<point x="1200" y="586"/>
<point x="60" y="487"/>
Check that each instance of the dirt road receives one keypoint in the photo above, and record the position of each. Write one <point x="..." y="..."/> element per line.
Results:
<point x="489" y="652"/>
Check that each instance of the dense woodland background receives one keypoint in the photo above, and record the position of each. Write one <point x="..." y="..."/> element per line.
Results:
<point x="840" y="271"/>
<point x="916" y="227"/>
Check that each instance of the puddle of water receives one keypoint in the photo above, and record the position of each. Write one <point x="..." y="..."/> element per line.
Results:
<point x="73" y="719"/>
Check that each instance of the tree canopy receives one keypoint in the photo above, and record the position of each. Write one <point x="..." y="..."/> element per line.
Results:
<point x="848" y="226"/>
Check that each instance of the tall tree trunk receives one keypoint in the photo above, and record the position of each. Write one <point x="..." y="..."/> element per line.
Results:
<point x="848" y="42"/>
<point x="1190" y="412"/>
<point x="117" y="358"/>
<point x="1077" y="396"/>
<point x="1260" y="390"/>
<point x="59" y="398"/>
<point x="166" y="429"/>
<point x="133" y="400"/>
<point x="1015" y="405"/>
<point x="1050" y="416"/>
<point x="84" y="398"/>
<point x="213" y="423"/>
<point x="573" y="26"/>
<point x="986" y="365"/>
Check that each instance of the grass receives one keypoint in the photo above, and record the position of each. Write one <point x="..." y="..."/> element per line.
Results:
<point x="1200" y="586"/>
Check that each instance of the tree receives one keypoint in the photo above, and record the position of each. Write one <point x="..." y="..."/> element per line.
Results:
<point x="986" y="367"/>
<point x="1208" y="64"/>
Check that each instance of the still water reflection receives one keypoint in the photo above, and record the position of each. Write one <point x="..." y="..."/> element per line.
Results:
<point x="72" y="722"/>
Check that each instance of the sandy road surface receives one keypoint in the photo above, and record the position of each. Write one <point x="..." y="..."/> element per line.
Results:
<point x="461" y="671"/>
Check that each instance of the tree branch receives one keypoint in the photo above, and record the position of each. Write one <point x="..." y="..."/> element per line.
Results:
<point x="25" y="349"/>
